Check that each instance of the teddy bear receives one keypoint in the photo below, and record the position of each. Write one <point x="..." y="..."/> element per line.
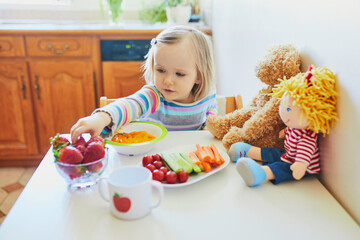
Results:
<point x="259" y="122"/>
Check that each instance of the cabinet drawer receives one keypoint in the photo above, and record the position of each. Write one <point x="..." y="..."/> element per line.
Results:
<point x="58" y="46"/>
<point x="11" y="46"/>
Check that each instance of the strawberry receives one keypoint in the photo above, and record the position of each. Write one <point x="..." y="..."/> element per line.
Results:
<point x="95" y="167"/>
<point x="80" y="141"/>
<point x="70" y="155"/>
<point x="59" y="142"/>
<point x="96" y="139"/>
<point x="81" y="148"/>
<point x="63" y="139"/>
<point x="73" y="172"/>
<point x="94" y="151"/>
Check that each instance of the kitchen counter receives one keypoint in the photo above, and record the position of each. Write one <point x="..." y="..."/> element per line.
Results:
<point x="97" y="27"/>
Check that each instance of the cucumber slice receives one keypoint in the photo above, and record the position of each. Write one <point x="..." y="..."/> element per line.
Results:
<point x="182" y="163"/>
<point x="172" y="164"/>
<point x="187" y="158"/>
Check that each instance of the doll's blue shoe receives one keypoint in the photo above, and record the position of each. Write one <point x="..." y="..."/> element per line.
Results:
<point x="252" y="173"/>
<point x="238" y="150"/>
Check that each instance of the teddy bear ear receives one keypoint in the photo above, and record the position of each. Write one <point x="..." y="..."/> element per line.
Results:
<point x="280" y="60"/>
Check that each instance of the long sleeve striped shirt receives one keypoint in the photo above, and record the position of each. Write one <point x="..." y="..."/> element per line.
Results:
<point x="301" y="146"/>
<point x="148" y="104"/>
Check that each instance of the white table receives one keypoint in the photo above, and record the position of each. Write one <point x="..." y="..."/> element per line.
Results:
<point x="218" y="207"/>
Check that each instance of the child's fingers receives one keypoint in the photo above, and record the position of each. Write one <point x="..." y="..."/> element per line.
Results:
<point x="78" y="131"/>
<point x="74" y="134"/>
<point x="86" y="125"/>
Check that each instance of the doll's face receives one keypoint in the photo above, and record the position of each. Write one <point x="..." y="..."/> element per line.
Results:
<point x="291" y="114"/>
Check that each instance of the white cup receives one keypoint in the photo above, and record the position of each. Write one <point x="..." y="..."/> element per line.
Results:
<point x="130" y="191"/>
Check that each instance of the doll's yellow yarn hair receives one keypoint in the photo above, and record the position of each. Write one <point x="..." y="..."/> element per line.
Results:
<point x="316" y="98"/>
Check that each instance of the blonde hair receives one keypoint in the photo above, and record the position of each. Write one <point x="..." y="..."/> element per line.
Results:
<point x="316" y="97"/>
<point x="204" y="57"/>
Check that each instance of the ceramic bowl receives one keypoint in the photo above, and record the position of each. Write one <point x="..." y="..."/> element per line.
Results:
<point x="131" y="149"/>
<point x="79" y="176"/>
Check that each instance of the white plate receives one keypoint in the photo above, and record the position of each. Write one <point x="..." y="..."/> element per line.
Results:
<point x="193" y="178"/>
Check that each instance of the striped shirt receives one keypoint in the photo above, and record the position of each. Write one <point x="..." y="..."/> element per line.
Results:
<point x="148" y="104"/>
<point x="301" y="146"/>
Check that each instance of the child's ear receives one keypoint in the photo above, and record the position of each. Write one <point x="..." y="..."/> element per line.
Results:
<point x="198" y="79"/>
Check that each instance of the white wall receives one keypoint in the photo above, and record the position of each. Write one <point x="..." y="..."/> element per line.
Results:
<point x="327" y="33"/>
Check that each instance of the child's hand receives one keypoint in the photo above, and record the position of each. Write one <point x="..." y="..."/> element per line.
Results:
<point x="298" y="169"/>
<point x="93" y="124"/>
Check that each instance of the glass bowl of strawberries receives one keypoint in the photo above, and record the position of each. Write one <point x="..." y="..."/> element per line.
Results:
<point x="82" y="163"/>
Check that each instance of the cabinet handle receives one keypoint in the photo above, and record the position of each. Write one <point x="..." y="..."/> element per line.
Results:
<point x="23" y="86"/>
<point x="58" y="51"/>
<point x="37" y="86"/>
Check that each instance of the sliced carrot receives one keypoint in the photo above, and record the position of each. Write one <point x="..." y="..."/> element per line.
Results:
<point x="207" y="166"/>
<point x="207" y="156"/>
<point x="197" y="154"/>
<point x="208" y="151"/>
<point x="194" y="158"/>
<point x="219" y="160"/>
<point x="202" y="155"/>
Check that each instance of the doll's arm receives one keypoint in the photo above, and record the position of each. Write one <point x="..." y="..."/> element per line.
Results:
<point x="306" y="149"/>
<point x="298" y="169"/>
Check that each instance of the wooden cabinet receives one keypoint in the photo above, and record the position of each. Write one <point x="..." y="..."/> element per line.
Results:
<point x="122" y="79"/>
<point x="63" y="93"/>
<point x="47" y="46"/>
<point x="47" y="83"/>
<point x="18" y="134"/>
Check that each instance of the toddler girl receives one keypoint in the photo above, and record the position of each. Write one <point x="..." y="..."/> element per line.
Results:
<point x="179" y="71"/>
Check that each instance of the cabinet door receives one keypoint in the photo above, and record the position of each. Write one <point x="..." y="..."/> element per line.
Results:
<point x="17" y="126"/>
<point x="63" y="93"/>
<point x="122" y="79"/>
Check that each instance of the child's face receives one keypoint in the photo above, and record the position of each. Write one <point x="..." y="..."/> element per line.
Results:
<point x="290" y="114"/>
<point x="175" y="70"/>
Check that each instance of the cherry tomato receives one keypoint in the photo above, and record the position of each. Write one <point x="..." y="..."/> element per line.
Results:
<point x="171" y="177"/>
<point x="151" y="167"/>
<point x="183" y="176"/>
<point x="158" y="175"/>
<point x="158" y="164"/>
<point x="164" y="169"/>
<point x="146" y="160"/>
<point x="156" y="157"/>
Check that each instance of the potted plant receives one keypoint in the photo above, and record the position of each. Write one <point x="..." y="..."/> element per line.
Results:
<point x="153" y="13"/>
<point x="115" y="10"/>
<point x="178" y="11"/>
